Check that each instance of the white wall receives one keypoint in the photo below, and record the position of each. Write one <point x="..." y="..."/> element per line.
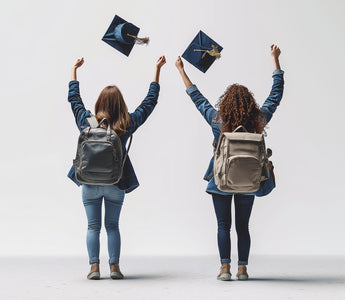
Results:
<point x="41" y="212"/>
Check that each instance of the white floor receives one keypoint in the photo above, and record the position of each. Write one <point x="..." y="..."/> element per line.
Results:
<point x="276" y="277"/>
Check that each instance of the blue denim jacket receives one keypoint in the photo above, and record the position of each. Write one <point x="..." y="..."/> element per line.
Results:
<point x="210" y="114"/>
<point x="129" y="180"/>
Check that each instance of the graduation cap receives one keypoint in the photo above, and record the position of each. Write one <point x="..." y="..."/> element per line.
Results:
<point x="122" y="35"/>
<point x="202" y="52"/>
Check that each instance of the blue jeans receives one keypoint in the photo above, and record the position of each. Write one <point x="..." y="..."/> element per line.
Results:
<point x="243" y="208"/>
<point x="92" y="199"/>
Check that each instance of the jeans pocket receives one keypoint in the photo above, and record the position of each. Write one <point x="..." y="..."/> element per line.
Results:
<point x="115" y="193"/>
<point x="89" y="191"/>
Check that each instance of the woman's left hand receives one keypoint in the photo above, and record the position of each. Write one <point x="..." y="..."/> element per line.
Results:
<point x="78" y="63"/>
<point x="160" y="62"/>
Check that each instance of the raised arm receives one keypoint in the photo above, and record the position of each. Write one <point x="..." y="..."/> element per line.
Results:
<point x="201" y="103"/>
<point x="276" y="94"/>
<point x="180" y="68"/>
<point x="78" y="63"/>
<point x="77" y="105"/>
<point x="139" y="116"/>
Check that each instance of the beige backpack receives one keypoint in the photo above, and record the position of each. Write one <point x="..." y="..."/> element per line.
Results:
<point x="240" y="161"/>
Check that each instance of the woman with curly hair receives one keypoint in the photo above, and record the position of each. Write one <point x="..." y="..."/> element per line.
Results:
<point x="236" y="107"/>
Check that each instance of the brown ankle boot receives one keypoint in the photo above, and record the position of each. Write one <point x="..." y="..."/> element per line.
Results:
<point x="242" y="273"/>
<point x="94" y="272"/>
<point x="224" y="274"/>
<point x="115" y="272"/>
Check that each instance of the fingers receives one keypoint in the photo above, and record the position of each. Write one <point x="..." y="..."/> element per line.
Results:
<point x="275" y="50"/>
<point x="274" y="47"/>
<point x="79" y="61"/>
<point x="162" y="60"/>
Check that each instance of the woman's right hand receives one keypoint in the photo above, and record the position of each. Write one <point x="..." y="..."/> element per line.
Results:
<point x="275" y="51"/>
<point x="78" y="63"/>
<point x="179" y="63"/>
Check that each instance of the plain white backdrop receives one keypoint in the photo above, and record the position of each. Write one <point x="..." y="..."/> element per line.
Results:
<point x="41" y="211"/>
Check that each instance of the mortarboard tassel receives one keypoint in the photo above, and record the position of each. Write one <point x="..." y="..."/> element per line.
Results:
<point x="138" y="40"/>
<point x="213" y="52"/>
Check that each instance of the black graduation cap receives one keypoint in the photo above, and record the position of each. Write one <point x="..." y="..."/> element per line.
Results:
<point x="122" y="35"/>
<point x="202" y="52"/>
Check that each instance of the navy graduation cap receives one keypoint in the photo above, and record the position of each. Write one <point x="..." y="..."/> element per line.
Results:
<point x="202" y="52"/>
<point x="122" y="35"/>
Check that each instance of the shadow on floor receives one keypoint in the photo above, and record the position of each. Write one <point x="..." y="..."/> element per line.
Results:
<point x="148" y="276"/>
<point x="303" y="280"/>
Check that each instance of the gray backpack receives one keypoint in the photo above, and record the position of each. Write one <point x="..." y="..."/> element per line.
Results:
<point x="240" y="161"/>
<point x="99" y="159"/>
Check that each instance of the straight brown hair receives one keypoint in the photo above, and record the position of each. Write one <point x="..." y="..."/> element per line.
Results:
<point x="111" y="106"/>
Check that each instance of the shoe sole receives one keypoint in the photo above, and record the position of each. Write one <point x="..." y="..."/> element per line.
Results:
<point x="224" y="277"/>
<point x="242" y="277"/>
<point x="116" y="275"/>
<point x="94" y="276"/>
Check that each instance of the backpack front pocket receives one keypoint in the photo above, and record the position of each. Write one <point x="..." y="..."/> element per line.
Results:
<point x="243" y="171"/>
<point x="97" y="157"/>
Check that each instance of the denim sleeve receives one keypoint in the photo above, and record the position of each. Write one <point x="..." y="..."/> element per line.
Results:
<point x="201" y="103"/>
<point x="275" y="96"/>
<point x="139" y="116"/>
<point x="77" y="105"/>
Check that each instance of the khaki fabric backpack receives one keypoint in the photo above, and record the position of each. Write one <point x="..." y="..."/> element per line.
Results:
<point x="240" y="161"/>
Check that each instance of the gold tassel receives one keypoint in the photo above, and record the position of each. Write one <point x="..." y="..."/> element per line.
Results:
<point x="138" y="40"/>
<point x="213" y="52"/>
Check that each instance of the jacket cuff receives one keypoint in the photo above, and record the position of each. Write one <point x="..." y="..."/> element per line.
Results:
<point x="72" y="82"/>
<point x="278" y="72"/>
<point x="155" y="84"/>
<point x="191" y="89"/>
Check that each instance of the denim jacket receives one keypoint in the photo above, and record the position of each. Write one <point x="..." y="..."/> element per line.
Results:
<point x="129" y="180"/>
<point x="210" y="114"/>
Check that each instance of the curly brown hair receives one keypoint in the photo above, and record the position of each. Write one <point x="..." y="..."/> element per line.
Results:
<point x="237" y="106"/>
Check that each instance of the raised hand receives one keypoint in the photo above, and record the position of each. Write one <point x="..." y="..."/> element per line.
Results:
<point x="184" y="76"/>
<point x="179" y="63"/>
<point x="275" y="52"/>
<point x="78" y="63"/>
<point x="160" y="62"/>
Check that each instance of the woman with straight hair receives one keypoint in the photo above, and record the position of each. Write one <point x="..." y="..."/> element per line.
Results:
<point x="111" y="106"/>
<point x="236" y="106"/>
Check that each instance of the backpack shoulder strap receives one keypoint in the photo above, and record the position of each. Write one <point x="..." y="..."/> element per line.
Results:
<point x="92" y="121"/>
<point x="214" y="144"/>
<point x="127" y="150"/>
